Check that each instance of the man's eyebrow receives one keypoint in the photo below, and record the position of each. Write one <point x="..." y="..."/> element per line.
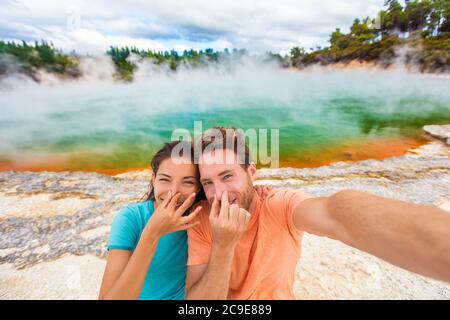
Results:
<point x="225" y="172"/>
<point x="204" y="179"/>
<point x="220" y="174"/>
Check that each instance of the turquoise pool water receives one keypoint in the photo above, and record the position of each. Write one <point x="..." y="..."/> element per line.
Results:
<point x="321" y="116"/>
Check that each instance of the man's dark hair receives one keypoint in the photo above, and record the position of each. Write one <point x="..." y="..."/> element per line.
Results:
<point x="223" y="138"/>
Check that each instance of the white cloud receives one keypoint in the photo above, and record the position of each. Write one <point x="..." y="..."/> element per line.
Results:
<point x="258" y="25"/>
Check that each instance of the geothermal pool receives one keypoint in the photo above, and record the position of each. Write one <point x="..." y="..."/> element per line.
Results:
<point x="322" y="115"/>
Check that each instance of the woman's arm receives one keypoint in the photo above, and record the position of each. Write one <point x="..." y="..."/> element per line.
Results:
<point x="126" y="271"/>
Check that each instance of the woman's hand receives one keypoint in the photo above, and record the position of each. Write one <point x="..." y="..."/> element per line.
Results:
<point x="167" y="218"/>
<point x="263" y="191"/>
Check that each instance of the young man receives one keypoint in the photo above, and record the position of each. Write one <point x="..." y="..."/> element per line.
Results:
<point x="246" y="247"/>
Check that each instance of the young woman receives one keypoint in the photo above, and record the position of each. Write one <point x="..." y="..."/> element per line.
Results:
<point x="148" y="242"/>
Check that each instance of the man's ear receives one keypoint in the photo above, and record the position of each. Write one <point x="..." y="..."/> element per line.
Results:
<point x="252" y="171"/>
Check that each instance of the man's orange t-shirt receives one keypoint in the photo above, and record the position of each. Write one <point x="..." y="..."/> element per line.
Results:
<point x="266" y="256"/>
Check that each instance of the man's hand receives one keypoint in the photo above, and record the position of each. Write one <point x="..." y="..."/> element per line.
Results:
<point x="228" y="222"/>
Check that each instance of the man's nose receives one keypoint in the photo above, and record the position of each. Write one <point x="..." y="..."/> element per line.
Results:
<point x="219" y="191"/>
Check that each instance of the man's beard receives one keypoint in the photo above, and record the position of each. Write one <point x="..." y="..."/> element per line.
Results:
<point x="247" y="195"/>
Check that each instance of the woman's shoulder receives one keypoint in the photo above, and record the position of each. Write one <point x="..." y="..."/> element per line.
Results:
<point x="138" y="212"/>
<point x="140" y="207"/>
<point x="128" y="225"/>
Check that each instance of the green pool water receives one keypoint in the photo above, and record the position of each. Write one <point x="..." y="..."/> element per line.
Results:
<point x="321" y="116"/>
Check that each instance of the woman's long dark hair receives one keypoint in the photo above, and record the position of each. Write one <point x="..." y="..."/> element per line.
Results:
<point x="164" y="153"/>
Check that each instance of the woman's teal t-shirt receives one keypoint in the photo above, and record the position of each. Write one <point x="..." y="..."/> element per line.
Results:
<point x="166" y="276"/>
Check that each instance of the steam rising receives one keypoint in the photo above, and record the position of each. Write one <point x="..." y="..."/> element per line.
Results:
<point x="40" y="117"/>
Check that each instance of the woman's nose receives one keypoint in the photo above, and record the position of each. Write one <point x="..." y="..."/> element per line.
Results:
<point x="175" y="188"/>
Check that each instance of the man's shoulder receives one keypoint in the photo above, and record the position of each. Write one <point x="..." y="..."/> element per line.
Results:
<point x="203" y="215"/>
<point x="206" y="207"/>
<point x="285" y="196"/>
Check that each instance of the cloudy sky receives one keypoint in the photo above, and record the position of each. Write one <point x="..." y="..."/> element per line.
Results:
<point x="91" y="26"/>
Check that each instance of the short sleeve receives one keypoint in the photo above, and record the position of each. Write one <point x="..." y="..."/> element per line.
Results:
<point x="124" y="234"/>
<point x="199" y="241"/>
<point x="292" y="199"/>
<point x="283" y="203"/>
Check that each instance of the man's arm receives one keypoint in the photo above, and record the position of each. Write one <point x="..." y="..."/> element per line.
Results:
<point x="211" y="281"/>
<point x="413" y="237"/>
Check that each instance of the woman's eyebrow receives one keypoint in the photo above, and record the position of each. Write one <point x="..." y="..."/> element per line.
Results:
<point x="163" y="174"/>
<point x="190" y="177"/>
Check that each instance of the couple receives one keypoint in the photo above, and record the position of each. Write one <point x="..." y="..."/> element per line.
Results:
<point x="244" y="242"/>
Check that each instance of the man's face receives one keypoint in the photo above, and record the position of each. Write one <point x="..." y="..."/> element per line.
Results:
<point x="228" y="176"/>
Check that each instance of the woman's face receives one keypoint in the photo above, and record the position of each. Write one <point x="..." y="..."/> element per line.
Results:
<point x="180" y="178"/>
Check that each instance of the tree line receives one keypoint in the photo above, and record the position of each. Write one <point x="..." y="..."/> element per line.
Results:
<point x="423" y="25"/>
